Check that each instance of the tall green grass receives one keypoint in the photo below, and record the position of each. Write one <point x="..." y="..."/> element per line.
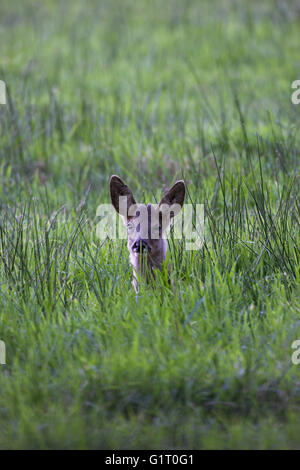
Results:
<point x="153" y="92"/>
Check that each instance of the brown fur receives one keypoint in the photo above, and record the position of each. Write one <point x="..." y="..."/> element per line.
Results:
<point x="146" y="226"/>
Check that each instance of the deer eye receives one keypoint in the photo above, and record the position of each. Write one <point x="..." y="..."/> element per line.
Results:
<point x="130" y="227"/>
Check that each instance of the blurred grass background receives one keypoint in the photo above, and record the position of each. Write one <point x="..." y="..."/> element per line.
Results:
<point x="152" y="91"/>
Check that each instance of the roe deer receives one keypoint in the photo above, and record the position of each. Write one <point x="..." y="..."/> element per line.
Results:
<point x="146" y="226"/>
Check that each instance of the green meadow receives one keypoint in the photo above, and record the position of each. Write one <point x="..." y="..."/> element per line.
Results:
<point x="152" y="91"/>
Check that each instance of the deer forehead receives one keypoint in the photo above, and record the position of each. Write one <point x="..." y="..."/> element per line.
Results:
<point x="142" y="214"/>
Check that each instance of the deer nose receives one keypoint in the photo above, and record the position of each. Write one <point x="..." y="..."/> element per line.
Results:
<point x="140" y="246"/>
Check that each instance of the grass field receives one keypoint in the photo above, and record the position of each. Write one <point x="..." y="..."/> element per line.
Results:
<point x="152" y="91"/>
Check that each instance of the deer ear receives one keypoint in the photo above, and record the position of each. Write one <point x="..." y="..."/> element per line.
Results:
<point x="174" y="195"/>
<point x="119" y="189"/>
